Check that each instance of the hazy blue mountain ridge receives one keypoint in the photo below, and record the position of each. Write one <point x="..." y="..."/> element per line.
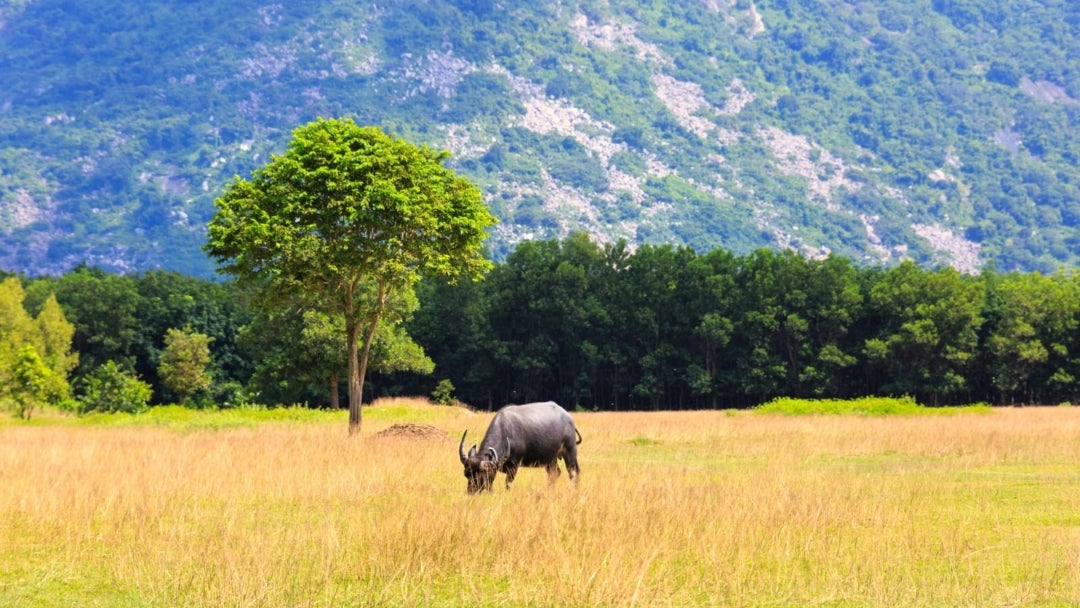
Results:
<point x="944" y="131"/>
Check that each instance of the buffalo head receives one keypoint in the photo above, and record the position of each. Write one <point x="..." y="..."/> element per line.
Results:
<point x="480" y="469"/>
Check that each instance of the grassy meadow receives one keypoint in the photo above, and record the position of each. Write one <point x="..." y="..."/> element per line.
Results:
<point x="281" y="508"/>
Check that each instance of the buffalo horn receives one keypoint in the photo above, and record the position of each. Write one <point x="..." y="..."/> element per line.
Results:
<point x="495" y="455"/>
<point x="461" y="447"/>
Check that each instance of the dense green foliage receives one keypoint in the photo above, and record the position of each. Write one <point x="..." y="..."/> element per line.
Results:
<point x="109" y="389"/>
<point x="184" y="362"/>
<point x="589" y="325"/>
<point x="35" y="352"/>
<point x="180" y="418"/>
<point x="603" y="327"/>
<point x="29" y="382"/>
<point x="125" y="319"/>
<point x="865" y="406"/>
<point x="345" y="223"/>
<point x="861" y="128"/>
<point x="663" y="327"/>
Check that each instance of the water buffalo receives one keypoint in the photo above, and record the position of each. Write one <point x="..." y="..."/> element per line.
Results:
<point x="530" y="435"/>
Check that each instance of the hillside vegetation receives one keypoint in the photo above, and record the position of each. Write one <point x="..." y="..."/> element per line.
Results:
<point x="943" y="131"/>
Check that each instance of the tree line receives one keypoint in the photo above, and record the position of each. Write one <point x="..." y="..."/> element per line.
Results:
<point x="588" y="325"/>
<point x="663" y="327"/>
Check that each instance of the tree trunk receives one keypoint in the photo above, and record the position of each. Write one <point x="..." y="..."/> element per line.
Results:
<point x="356" y="380"/>
<point x="335" y="398"/>
<point x="358" y="362"/>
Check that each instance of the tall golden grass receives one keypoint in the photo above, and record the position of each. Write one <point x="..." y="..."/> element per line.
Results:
<point x="673" y="509"/>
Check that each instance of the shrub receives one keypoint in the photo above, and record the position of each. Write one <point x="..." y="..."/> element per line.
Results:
<point x="443" y="393"/>
<point x="30" y="382"/>
<point x="866" y="406"/>
<point x="111" y="389"/>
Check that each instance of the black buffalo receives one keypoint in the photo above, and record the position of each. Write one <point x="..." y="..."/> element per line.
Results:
<point x="530" y="435"/>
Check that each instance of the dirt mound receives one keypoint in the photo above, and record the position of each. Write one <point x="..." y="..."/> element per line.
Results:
<point x="413" y="431"/>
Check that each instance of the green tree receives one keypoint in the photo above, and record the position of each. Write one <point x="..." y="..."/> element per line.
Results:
<point x="349" y="218"/>
<point x="184" y="362"/>
<point x="395" y="351"/>
<point x="56" y="335"/>
<point x="297" y="355"/>
<point x="31" y="380"/>
<point x="108" y="388"/>
<point x="102" y="308"/>
<point x="452" y="323"/>
<point x="1029" y="350"/>
<point x="443" y="393"/>
<point x="302" y="353"/>
<point x="48" y="336"/>
<point x="16" y="330"/>
<point x="658" y="324"/>
<point x="928" y="333"/>
<point x="712" y="374"/>
<point x="167" y="300"/>
<point x="125" y="318"/>
<point x="321" y="353"/>
<point x="770" y="331"/>
<point x="544" y="318"/>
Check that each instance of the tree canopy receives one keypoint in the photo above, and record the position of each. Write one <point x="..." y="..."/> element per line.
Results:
<point x="184" y="362"/>
<point x="35" y="351"/>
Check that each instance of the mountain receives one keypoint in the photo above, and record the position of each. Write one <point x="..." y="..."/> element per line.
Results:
<point x="944" y="131"/>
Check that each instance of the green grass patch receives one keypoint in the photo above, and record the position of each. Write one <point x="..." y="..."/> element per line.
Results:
<point x="182" y="418"/>
<point x="53" y="584"/>
<point x="406" y="412"/>
<point x="866" y="406"/>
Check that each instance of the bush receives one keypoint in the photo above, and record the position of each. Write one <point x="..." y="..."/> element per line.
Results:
<point x="233" y="394"/>
<point x="31" y="379"/>
<point x="867" y="406"/>
<point x="443" y="393"/>
<point x="111" y="389"/>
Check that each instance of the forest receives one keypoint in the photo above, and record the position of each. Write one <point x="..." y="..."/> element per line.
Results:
<point x="593" y="326"/>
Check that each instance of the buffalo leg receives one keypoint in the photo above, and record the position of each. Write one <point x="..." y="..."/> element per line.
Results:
<point x="570" y="459"/>
<point x="511" y="472"/>
<point x="553" y="471"/>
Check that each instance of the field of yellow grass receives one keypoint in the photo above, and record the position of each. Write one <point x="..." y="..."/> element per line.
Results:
<point x="673" y="509"/>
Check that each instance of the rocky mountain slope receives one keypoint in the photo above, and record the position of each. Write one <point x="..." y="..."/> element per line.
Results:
<point x="943" y="131"/>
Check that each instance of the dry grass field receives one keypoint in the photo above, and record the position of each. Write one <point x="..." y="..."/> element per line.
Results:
<point x="673" y="509"/>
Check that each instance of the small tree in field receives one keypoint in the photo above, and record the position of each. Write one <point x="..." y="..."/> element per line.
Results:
<point x="443" y="393"/>
<point x="184" y="362"/>
<point x="316" y="356"/>
<point x="35" y="352"/>
<point x="111" y="389"/>
<point x="30" y="382"/>
<point x="346" y="221"/>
